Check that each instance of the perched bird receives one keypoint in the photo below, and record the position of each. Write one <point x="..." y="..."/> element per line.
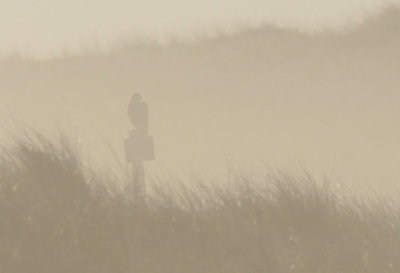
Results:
<point x="138" y="113"/>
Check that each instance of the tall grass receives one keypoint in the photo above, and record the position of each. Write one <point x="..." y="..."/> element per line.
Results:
<point x="57" y="216"/>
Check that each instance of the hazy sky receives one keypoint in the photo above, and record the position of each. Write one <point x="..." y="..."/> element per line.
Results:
<point x="45" y="27"/>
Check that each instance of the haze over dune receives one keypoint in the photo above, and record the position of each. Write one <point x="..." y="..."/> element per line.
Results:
<point x="329" y="102"/>
<point x="48" y="29"/>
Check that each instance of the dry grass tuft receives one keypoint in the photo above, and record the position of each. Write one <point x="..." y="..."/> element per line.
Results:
<point x="53" y="220"/>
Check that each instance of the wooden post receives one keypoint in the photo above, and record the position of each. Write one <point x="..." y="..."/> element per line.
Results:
<point x="138" y="177"/>
<point x="138" y="148"/>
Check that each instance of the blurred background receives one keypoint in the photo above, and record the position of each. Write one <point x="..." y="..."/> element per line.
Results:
<point x="256" y="84"/>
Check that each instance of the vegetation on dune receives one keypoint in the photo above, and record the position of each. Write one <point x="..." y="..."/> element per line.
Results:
<point x="57" y="216"/>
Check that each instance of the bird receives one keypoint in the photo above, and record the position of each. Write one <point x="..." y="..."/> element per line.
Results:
<point x="138" y="113"/>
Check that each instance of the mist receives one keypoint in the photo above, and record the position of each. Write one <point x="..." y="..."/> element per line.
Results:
<point x="262" y="136"/>
<point x="264" y="97"/>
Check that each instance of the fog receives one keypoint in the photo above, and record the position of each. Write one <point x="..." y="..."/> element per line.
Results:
<point x="265" y="96"/>
<point x="52" y="27"/>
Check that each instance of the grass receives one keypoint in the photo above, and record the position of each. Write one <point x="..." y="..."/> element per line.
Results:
<point x="57" y="215"/>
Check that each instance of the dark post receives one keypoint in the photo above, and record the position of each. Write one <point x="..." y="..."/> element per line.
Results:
<point x="138" y="176"/>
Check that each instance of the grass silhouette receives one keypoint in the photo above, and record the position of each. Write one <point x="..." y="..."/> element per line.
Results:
<point x="57" y="216"/>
